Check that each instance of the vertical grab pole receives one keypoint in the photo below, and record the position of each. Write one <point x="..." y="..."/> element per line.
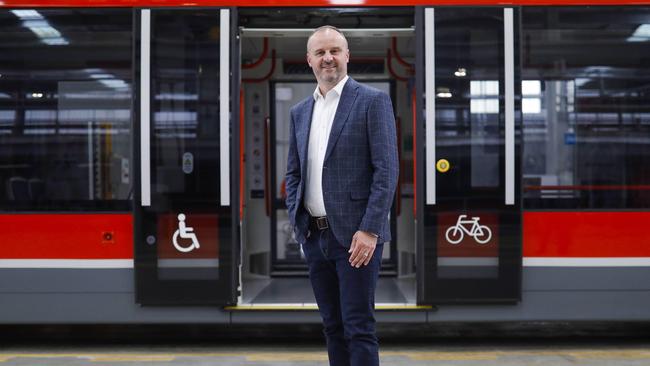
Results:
<point x="508" y="34"/>
<point x="430" y="106"/>
<point x="224" y="105"/>
<point x="145" y="101"/>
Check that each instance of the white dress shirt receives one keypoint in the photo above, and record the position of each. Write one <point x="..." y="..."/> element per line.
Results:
<point x="319" y="133"/>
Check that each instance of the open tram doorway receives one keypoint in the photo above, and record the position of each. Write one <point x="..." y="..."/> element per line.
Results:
<point x="274" y="77"/>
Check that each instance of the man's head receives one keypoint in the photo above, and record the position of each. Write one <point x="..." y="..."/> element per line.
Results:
<point x="328" y="56"/>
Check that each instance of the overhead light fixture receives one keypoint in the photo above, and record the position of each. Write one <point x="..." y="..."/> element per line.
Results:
<point x="115" y="83"/>
<point x="27" y="14"/>
<point x="641" y="34"/>
<point x="101" y="76"/>
<point x="37" y="24"/>
<point x="37" y="95"/>
<point x="443" y="92"/>
<point x="461" y="72"/>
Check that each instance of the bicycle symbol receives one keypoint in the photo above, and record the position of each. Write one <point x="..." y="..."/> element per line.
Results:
<point x="481" y="233"/>
<point x="185" y="232"/>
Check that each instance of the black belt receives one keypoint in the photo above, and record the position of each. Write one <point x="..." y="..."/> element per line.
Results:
<point x="318" y="223"/>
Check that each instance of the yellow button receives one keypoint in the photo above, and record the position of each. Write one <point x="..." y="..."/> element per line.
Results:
<point x="442" y="165"/>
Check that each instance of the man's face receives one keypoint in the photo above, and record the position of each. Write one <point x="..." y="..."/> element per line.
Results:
<point x="328" y="56"/>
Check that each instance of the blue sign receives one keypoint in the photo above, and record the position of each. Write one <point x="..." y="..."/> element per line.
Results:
<point x="570" y="138"/>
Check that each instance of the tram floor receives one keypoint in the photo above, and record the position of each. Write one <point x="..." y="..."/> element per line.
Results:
<point x="259" y="353"/>
<point x="292" y="290"/>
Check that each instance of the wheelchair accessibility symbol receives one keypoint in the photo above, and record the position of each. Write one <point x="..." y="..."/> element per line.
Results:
<point x="187" y="233"/>
<point x="481" y="233"/>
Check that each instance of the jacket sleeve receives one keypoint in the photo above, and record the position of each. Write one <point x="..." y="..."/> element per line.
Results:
<point x="382" y="139"/>
<point x="292" y="178"/>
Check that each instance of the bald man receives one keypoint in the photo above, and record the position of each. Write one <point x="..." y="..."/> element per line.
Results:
<point x="342" y="172"/>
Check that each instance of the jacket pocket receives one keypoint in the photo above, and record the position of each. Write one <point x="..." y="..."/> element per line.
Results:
<point x="359" y="195"/>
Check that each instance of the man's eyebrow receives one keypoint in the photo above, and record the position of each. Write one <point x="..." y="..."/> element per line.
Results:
<point x="337" y="48"/>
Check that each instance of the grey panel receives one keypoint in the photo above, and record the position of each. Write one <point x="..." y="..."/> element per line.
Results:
<point x="66" y="280"/>
<point x="586" y="278"/>
<point x="120" y="308"/>
<point x="556" y="305"/>
<point x="52" y="308"/>
<point x="106" y="296"/>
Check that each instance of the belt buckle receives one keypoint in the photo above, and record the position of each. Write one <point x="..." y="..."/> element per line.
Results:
<point x="321" y="223"/>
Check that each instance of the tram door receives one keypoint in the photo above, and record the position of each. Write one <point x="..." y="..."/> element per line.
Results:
<point x="185" y="207"/>
<point x="468" y="173"/>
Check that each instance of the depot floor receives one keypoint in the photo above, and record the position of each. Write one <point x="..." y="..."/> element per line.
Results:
<point x="539" y="352"/>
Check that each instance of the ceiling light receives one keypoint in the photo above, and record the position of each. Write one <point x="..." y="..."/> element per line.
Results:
<point x="461" y="72"/>
<point x="37" y="24"/>
<point x="443" y="92"/>
<point x="27" y="14"/>
<point x="641" y="34"/>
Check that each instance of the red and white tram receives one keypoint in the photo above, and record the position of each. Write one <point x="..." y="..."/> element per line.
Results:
<point x="143" y="149"/>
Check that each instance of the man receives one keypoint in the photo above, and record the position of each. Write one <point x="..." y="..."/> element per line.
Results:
<point x="342" y="172"/>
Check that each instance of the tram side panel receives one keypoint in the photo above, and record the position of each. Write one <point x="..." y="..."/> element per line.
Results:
<point x="56" y="268"/>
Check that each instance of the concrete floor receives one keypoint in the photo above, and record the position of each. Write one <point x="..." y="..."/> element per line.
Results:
<point x="614" y="352"/>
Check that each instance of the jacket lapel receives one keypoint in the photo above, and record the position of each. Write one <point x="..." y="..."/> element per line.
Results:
<point x="303" y="133"/>
<point x="346" y="102"/>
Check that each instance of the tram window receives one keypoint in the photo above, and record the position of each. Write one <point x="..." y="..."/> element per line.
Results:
<point x="65" y="109"/>
<point x="185" y="82"/>
<point x="586" y="107"/>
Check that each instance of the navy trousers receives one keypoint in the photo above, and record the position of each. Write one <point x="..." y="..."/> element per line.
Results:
<point x="346" y="299"/>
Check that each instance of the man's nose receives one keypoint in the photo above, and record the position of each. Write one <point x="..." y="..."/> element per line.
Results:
<point x="328" y="57"/>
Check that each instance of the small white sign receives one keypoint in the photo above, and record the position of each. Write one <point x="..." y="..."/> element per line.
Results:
<point x="481" y="233"/>
<point x="187" y="233"/>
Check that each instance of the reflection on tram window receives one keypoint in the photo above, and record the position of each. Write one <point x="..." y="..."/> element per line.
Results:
<point x="586" y="107"/>
<point x="65" y="109"/>
<point x="185" y="105"/>
<point x="485" y="96"/>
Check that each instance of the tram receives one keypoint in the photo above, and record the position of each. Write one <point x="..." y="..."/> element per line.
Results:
<point x="143" y="150"/>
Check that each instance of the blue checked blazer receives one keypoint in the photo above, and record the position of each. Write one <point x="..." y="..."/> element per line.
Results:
<point x="360" y="169"/>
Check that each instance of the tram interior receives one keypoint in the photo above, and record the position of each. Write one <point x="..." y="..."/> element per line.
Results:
<point x="275" y="76"/>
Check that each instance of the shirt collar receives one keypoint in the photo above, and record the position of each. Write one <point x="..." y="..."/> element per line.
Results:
<point x="338" y="88"/>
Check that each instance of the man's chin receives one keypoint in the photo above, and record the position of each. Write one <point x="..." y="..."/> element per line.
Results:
<point x="330" y="79"/>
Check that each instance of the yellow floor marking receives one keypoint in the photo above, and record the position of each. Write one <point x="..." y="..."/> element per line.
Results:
<point x="610" y="354"/>
<point x="133" y="358"/>
<point x="93" y="357"/>
<point x="288" y="356"/>
<point x="321" y="355"/>
<point x="493" y="355"/>
<point x="442" y="355"/>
